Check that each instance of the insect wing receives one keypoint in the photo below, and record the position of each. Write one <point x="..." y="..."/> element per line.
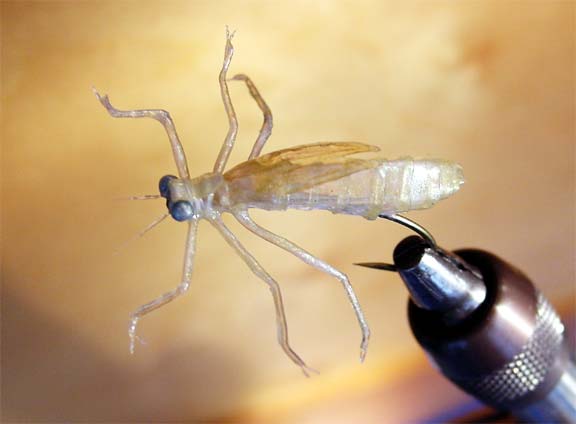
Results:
<point x="297" y="169"/>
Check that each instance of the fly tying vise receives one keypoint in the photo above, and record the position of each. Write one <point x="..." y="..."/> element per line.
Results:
<point x="313" y="176"/>
<point x="486" y="326"/>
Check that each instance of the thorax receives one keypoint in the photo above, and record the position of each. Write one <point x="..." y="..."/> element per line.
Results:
<point x="207" y="193"/>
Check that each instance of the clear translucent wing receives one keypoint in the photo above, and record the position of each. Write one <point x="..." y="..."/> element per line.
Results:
<point x="297" y="169"/>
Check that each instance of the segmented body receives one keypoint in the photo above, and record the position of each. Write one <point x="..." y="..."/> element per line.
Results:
<point x="391" y="187"/>
<point x="364" y="187"/>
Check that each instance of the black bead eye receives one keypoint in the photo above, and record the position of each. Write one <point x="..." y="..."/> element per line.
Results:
<point x="181" y="210"/>
<point x="163" y="185"/>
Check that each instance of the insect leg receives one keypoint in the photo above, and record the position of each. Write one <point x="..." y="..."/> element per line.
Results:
<point x="161" y="116"/>
<point x="171" y="295"/>
<point x="282" y="328"/>
<point x="226" y="148"/>
<point x="244" y="218"/>
<point x="266" y="128"/>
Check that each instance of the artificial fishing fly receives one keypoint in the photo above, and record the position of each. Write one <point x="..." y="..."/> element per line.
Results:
<point x="313" y="176"/>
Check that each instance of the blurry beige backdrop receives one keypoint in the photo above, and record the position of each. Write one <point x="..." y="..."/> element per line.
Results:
<point x="487" y="84"/>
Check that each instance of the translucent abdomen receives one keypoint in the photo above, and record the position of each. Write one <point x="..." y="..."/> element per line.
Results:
<point x="391" y="187"/>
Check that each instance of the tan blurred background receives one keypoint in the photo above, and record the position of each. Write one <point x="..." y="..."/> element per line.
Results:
<point x="487" y="84"/>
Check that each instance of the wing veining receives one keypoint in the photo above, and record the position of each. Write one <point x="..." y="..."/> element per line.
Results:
<point x="299" y="168"/>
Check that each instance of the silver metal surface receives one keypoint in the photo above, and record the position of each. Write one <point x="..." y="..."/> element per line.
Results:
<point x="511" y="352"/>
<point x="486" y="327"/>
<point x="528" y="368"/>
<point x="558" y="406"/>
<point x="438" y="280"/>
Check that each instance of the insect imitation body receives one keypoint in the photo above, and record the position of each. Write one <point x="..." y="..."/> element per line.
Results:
<point x="313" y="176"/>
